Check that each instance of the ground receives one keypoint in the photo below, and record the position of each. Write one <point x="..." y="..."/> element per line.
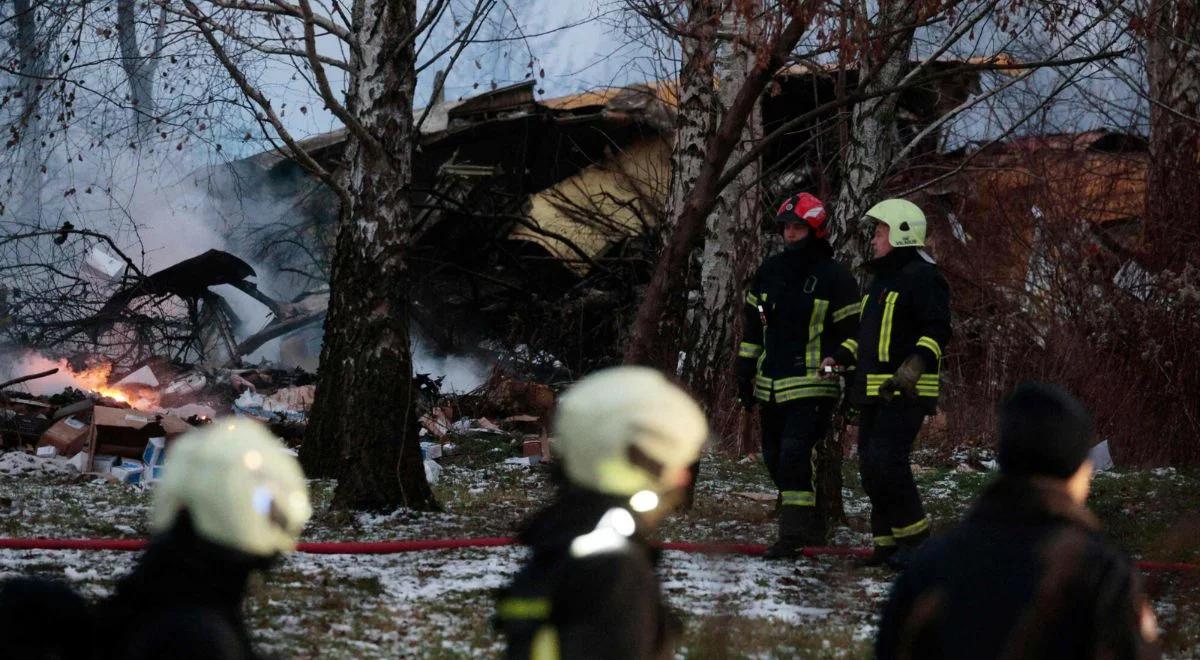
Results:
<point x="436" y="604"/>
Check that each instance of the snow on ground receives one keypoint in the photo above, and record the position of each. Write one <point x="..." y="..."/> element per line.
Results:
<point x="438" y="604"/>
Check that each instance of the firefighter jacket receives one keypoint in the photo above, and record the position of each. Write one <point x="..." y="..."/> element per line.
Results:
<point x="588" y="590"/>
<point x="1028" y="574"/>
<point x="906" y="311"/>
<point x="800" y="307"/>
<point x="183" y="600"/>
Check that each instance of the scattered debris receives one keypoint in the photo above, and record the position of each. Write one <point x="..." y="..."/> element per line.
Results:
<point x="1101" y="457"/>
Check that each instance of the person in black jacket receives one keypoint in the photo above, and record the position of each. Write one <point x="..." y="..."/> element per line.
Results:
<point x="1028" y="574"/>
<point x="626" y="437"/>
<point x="903" y="331"/>
<point x="231" y="502"/>
<point x="801" y="305"/>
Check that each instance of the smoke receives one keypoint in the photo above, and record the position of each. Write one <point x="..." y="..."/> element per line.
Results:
<point x="462" y="373"/>
<point x="29" y="362"/>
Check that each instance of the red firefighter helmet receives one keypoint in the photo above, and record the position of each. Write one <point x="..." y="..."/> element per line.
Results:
<point x="804" y="208"/>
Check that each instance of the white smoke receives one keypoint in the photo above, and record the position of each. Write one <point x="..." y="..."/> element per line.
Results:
<point x="28" y="363"/>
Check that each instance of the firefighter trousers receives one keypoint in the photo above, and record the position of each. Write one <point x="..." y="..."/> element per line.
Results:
<point x="790" y="433"/>
<point x="886" y="433"/>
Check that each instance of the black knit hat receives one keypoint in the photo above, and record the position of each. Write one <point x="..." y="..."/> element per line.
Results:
<point x="1043" y="431"/>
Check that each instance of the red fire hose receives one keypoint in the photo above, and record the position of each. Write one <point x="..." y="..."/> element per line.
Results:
<point x="392" y="547"/>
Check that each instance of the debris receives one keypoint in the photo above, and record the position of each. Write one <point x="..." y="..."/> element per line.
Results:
<point x="431" y="450"/>
<point x="143" y="376"/>
<point x="46" y="452"/>
<point x="128" y="471"/>
<point x="433" y="471"/>
<point x="189" y="383"/>
<point x="23" y="379"/>
<point x="1101" y="457"/>
<point x="104" y="263"/>
<point x="66" y="436"/>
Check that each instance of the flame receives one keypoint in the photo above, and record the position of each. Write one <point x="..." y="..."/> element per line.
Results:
<point x="95" y="379"/>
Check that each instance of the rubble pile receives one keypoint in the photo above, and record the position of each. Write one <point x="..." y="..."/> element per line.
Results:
<point x="119" y="425"/>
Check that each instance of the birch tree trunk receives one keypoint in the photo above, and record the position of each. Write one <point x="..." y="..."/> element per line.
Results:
<point x="363" y="427"/>
<point x="139" y="69"/>
<point x="865" y="161"/>
<point x="872" y="136"/>
<point x="697" y="115"/>
<point x="1173" y="67"/>
<point x="731" y="248"/>
<point x="648" y="343"/>
<point x="32" y="66"/>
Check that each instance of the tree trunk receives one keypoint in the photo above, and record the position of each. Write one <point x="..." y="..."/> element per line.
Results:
<point x="363" y="427"/>
<point x="648" y="344"/>
<point x="731" y="249"/>
<point x="865" y="162"/>
<point x="872" y="137"/>
<point x="32" y="65"/>
<point x="139" y="70"/>
<point x="1173" y="68"/>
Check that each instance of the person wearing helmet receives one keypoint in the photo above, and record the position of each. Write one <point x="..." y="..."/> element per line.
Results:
<point x="902" y="333"/>
<point x="801" y="305"/>
<point x="626" y="438"/>
<point x="231" y="501"/>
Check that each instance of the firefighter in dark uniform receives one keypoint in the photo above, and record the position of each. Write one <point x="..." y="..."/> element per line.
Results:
<point x="1028" y="574"/>
<point x="902" y="333"/>
<point x="231" y="502"/>
<point x="626" y="438"/>
<point x="801" y="305"/>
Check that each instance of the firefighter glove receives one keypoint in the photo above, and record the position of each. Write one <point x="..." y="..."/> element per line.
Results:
<point x="905" y="380"/>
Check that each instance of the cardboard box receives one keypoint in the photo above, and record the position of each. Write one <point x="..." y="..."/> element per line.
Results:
<point x="67" y="436"/>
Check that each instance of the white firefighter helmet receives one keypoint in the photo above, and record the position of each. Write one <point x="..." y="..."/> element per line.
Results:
<point x="239" y="485"/>
<point x="628" y="431"/>
<point x="905" y="221"/>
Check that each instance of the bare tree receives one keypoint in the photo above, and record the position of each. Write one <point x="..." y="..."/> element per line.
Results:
<point x="362" y="427"/>
<point x="1173" y="66"/>
<point x="140" y="68"/>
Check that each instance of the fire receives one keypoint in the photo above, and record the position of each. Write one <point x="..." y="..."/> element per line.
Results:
<point x="95" y="379"/>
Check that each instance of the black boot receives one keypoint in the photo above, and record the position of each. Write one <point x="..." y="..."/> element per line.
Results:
<point x="905" y="551"/>
<point x="799" y="526"/>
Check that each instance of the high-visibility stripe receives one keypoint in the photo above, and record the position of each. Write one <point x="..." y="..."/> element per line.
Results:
<point x="911" y="530"/>
<point x="545" y="644"/>
<point x="798" y="498"/>
<point x="927" y="385"/>
<point x="752" y="299"/>
<point x="852" y="346"/>
<point x="802" y="381"/>
<point x="862" y="305"/>
<point x="807" y="393"/>
<point x="523" y="608"/>
<point x="749" y="350"/>
<point x="932" y="345"/>
<point x="885" y="327"/>
<point x="848" y="310"/>
<point x="884" y="541"/>
<point x="812" y="355"/>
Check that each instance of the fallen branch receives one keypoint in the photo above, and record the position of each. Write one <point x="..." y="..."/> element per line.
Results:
<point x="22" y="379"/>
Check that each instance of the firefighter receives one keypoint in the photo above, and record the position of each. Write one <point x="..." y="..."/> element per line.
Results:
<point x="902" y="333"/>
<point x="1028" y="574"/>
<point x="626" y="437"/>
<point x="232" y="501"/>
<point x="801" y="305"/>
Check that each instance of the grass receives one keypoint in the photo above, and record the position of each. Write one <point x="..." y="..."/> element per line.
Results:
<point x="438" y="604"/>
